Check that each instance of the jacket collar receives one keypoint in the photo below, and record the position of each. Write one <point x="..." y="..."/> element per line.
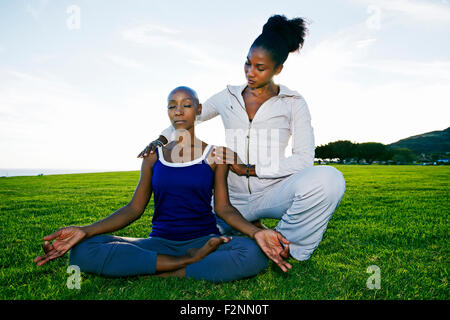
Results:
<point x="284" y="91"/>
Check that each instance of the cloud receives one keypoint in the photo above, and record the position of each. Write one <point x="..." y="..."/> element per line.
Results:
<point x="330" y="56"/>
<point x="164" y="37"/>
<point x="353" y="96"/>
<point x="365" y="43"/>
<point x="36" y="10"/>
<point x="429" y="71"/>
<point x="48" y="123"/>
<point x="45" y="122"/>
<point x="32" y="106"/>
<point x="424" y="11"/>
<point x="146" y="34"/>
<point x="124" y="62"/>
<point x="350" y="48"/>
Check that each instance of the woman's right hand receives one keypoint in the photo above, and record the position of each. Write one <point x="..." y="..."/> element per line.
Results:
<point x="66" y="238"/>
<point x="150" y="148"/>
<point x="275" y="246"/>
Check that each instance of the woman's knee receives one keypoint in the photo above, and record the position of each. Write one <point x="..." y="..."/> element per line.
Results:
<point x="252" y="259"/>
<point x="333" y="182"/>
<point x="326" y="180"/>
<point x="83" y="254"/>
<point x="77" y="255"/>
<point x="238" y="259"/>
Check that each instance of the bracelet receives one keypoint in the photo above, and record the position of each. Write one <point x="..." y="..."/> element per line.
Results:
<point x="159" y="143"/>
<point x="248" y="170"/>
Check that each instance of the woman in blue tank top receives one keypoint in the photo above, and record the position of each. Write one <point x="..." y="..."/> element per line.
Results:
<point x="184" y="241"/>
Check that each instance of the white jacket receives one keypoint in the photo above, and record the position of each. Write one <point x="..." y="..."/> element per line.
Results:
<point x="263" y="140"/>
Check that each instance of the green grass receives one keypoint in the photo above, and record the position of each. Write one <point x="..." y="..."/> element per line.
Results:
<point x="395" y="217"/>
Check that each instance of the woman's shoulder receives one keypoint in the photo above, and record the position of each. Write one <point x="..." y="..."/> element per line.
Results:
<point x="150" y="160"/>
<point x="234" y="89"/>
<point x="292" y="97"/>
<point x="286" y="92"/>
<point x="218" y="96"/>
<point x="216" y="101"/>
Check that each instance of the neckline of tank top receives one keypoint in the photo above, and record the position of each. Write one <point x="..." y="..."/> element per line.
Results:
<point x="183" y="164"/>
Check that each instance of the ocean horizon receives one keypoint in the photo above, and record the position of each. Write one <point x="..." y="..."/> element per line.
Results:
<point x="15" y="172"/>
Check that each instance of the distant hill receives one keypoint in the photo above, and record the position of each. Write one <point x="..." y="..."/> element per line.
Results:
<point x="430" y="142"/>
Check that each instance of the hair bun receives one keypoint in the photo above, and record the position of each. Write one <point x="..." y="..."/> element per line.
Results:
<point x="293" y="30"/>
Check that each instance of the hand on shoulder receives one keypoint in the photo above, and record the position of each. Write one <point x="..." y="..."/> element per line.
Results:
<point x="150" y="159"/>
<point x="224" y="155"/>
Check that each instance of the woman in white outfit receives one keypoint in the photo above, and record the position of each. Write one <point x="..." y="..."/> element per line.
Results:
<point x="259" y="118"/>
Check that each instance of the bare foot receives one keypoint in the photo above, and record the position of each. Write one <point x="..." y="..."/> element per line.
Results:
<point x="194" y="255"/>
<point x="199" y="253"/>
<point x="181" y="273"/>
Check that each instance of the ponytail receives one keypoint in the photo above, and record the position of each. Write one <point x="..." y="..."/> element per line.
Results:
<point x="281" y="36"/>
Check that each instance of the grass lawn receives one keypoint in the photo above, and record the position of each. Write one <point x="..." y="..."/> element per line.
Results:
<point x="394" y="217"/>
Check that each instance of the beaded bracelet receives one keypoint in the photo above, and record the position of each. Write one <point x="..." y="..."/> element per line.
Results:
<point x="159" y="143"/>
<point x="248" y="170"/>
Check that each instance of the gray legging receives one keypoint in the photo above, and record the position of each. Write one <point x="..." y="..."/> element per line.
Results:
<point x="121" y="256"/>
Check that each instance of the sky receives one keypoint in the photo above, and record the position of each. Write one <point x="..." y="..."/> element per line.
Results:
<point x="83" y="84"/>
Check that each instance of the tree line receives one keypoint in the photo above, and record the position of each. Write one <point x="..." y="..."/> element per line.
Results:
<point x="345" y="151"/>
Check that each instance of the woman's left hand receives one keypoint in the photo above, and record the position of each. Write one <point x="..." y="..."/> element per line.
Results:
<point x="270" y="243"/>
<point x="66" y="238"/>
<point x="239" y="169"/>
<point x="223" y="155"/>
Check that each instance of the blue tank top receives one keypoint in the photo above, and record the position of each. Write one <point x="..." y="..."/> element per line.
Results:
<point x="182" y="195"/>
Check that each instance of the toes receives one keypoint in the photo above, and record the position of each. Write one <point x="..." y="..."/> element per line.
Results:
<point x="215" y="242"/>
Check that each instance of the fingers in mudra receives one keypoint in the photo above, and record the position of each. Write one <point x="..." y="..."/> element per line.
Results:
<point x="285" y="252"/>
<point x="52" y="254"/>
<point x="46" y="247"/>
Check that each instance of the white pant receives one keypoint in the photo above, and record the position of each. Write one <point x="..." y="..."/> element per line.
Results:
<point x="304" y="202"/>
